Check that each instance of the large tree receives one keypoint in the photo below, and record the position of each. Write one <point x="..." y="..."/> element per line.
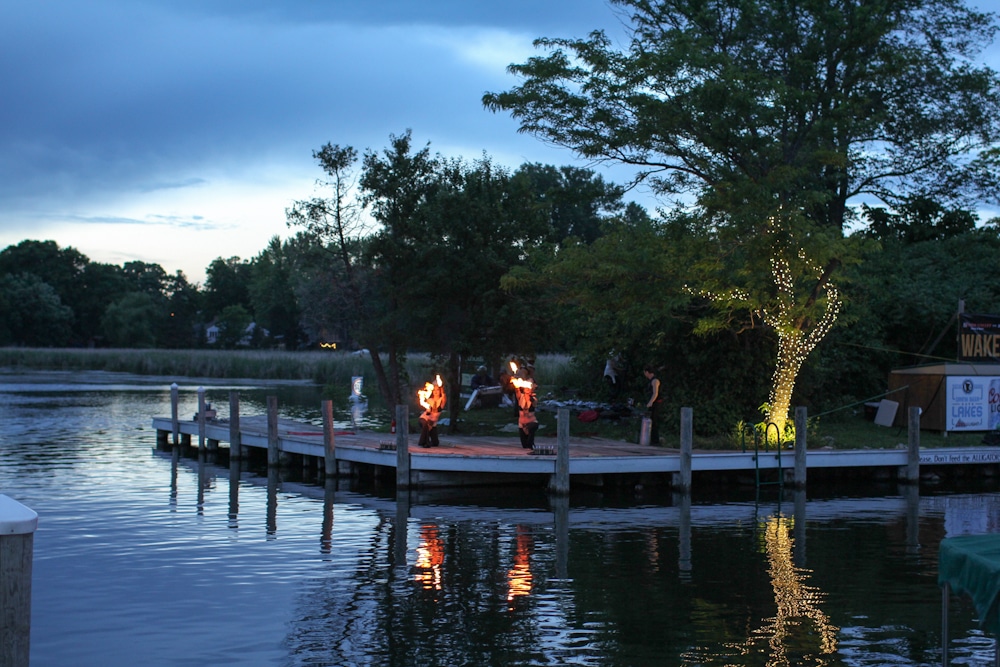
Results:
<point x="768" y="117"/>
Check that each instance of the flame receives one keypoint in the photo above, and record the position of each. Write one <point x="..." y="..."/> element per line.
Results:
<point x="513" y="367"/>
<point x="423" y="395"/>
<point x="521" y="383"/>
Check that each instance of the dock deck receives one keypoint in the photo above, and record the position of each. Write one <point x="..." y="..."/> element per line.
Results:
<point x="502" y="458"/>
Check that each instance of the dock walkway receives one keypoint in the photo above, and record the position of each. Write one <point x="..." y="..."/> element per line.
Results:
<point x="461" y="460"/>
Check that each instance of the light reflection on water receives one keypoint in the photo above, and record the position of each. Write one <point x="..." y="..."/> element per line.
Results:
<point x="141" y="559"/>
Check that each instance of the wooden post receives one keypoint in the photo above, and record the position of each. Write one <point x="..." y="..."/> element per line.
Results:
<point x="402" y="447"/>
<point x="683" y="480"/>
<point x="912" y="474"/>
<point x="560" y="480"/>
<point x="175" y="425"/>
<point x="273" y="454"/>
<point x="329" y="445"/>
<point x="17" y="534"/>
<point x="235" y="437"/>
<point x="799" y="481"/>
<point x="201" y="419"/>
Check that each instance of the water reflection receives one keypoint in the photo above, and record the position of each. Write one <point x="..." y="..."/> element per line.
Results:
<point x="352" y="576"/>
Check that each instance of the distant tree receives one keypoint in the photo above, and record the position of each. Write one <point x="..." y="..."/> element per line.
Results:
<point x="272" y="294"/>
<point x="145" y="277"/>
<point x="227" y="283"/>
<point x="917" y="220"/>
<point x="133" y="320"/>
<point x="233" y="322"/>
<point x="100" y="286"/>
<point x="33" y="313"/>
<point x="61" y="268"/>
<point x="575" y="201"/>
<point x="183" y="307"/>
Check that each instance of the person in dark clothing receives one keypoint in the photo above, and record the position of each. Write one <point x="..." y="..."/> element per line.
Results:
<point x="653" y="404"/>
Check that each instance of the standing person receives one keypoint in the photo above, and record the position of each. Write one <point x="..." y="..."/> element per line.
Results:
<point x="432" y="399"/>
<point x="527" y="422"/>
<point x="653" y="404"/>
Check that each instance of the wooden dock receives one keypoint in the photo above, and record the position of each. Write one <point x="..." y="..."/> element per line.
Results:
<point x="585" y="461"/>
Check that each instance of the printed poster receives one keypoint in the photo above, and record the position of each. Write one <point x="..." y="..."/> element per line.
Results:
<point x="973" y="403"/>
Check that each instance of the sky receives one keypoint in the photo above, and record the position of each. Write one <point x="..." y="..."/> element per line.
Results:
<point x="176" y="132"/>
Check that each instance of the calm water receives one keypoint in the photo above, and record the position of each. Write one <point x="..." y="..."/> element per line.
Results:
<point x="143" y="561"/>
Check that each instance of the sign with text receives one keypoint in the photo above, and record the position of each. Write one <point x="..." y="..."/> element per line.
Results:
<point x="979" y="338"/>
<point x="972" y="403"/>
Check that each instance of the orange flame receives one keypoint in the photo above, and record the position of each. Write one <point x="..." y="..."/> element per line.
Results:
<point x="423" y="395"/>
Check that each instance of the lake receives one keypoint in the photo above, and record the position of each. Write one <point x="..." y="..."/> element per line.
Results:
<point x="143" y="560"/>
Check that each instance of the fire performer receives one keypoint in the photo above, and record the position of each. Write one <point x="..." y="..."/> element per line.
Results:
<point x="527" y="422"/>
<point x="432" y="399"/>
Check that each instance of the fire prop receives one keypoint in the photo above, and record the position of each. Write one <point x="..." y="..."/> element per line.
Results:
<point x="424" y="395"/>
<point x="432" y="399"/>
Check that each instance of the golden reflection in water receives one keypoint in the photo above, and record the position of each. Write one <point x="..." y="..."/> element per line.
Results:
<point x="519" y="576"/>
<point x="430" y="557"/>
<point x="797" y="604"/>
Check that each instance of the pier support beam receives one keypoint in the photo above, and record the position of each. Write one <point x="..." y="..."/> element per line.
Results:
<point x="273" y="453"/>
<point x="235" y="437"/>
<point x="201" y="420"/>
<point x="17" y="534"/>
<point x="799" y="481"/>
<point x="175" y="424"/>
<point x="559" y="484"/>
<point x="402" y="447"/>
<point x="682" y="479"/>
<point x="911" y="473"/>
<point x="329" y="444"/>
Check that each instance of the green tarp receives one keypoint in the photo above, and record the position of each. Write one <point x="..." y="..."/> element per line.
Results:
<point x="970" y="565"/>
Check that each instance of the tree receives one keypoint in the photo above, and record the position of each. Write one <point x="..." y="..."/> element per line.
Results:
<point x="272" y="295"/>
<point x="33" y="312"/>
<point x="343" y="288"/>
<point x="60" y="268"/>
<point x="770" y="116"/>
<point x="233" y="322"/>
<point x="227" y="283"/>
<point x="575" y="201"/>
<point x="133" y="320"/>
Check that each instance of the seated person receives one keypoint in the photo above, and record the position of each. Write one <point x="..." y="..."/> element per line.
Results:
<point x="482" y="379"/>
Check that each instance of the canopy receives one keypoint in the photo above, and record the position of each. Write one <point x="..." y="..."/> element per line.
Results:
<point x="970" y="564"/>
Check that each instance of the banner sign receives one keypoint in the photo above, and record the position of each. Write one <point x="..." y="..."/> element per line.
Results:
<point x="972" y="403"/>
<point x="979" y="338"/>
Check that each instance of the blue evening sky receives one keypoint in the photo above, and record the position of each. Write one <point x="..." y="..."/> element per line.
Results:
<point x="178" y="131"/>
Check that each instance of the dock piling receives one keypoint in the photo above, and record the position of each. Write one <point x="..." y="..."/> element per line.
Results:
<point x="560" y="480"/>
<point x="402" y="447"/>
<point x="17" y="533"/>
<point x="235" y="437"/>
<point x="911" y="474"/>
<point x="201" y="419"/>
<point x="174" y="421"/>
<point x="273" y="453"/>
<point x="799" y="481"/>
<point x="682" y="480"/>
<point x="329" y="445"/>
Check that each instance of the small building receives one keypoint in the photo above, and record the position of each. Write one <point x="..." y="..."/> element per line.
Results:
<point x="952" y="396"/>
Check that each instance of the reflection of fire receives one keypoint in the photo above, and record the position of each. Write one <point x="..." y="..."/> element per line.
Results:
<point x="430" y="558"/>
<point x="519" y="576"/>
<point x="423" y="395"/>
